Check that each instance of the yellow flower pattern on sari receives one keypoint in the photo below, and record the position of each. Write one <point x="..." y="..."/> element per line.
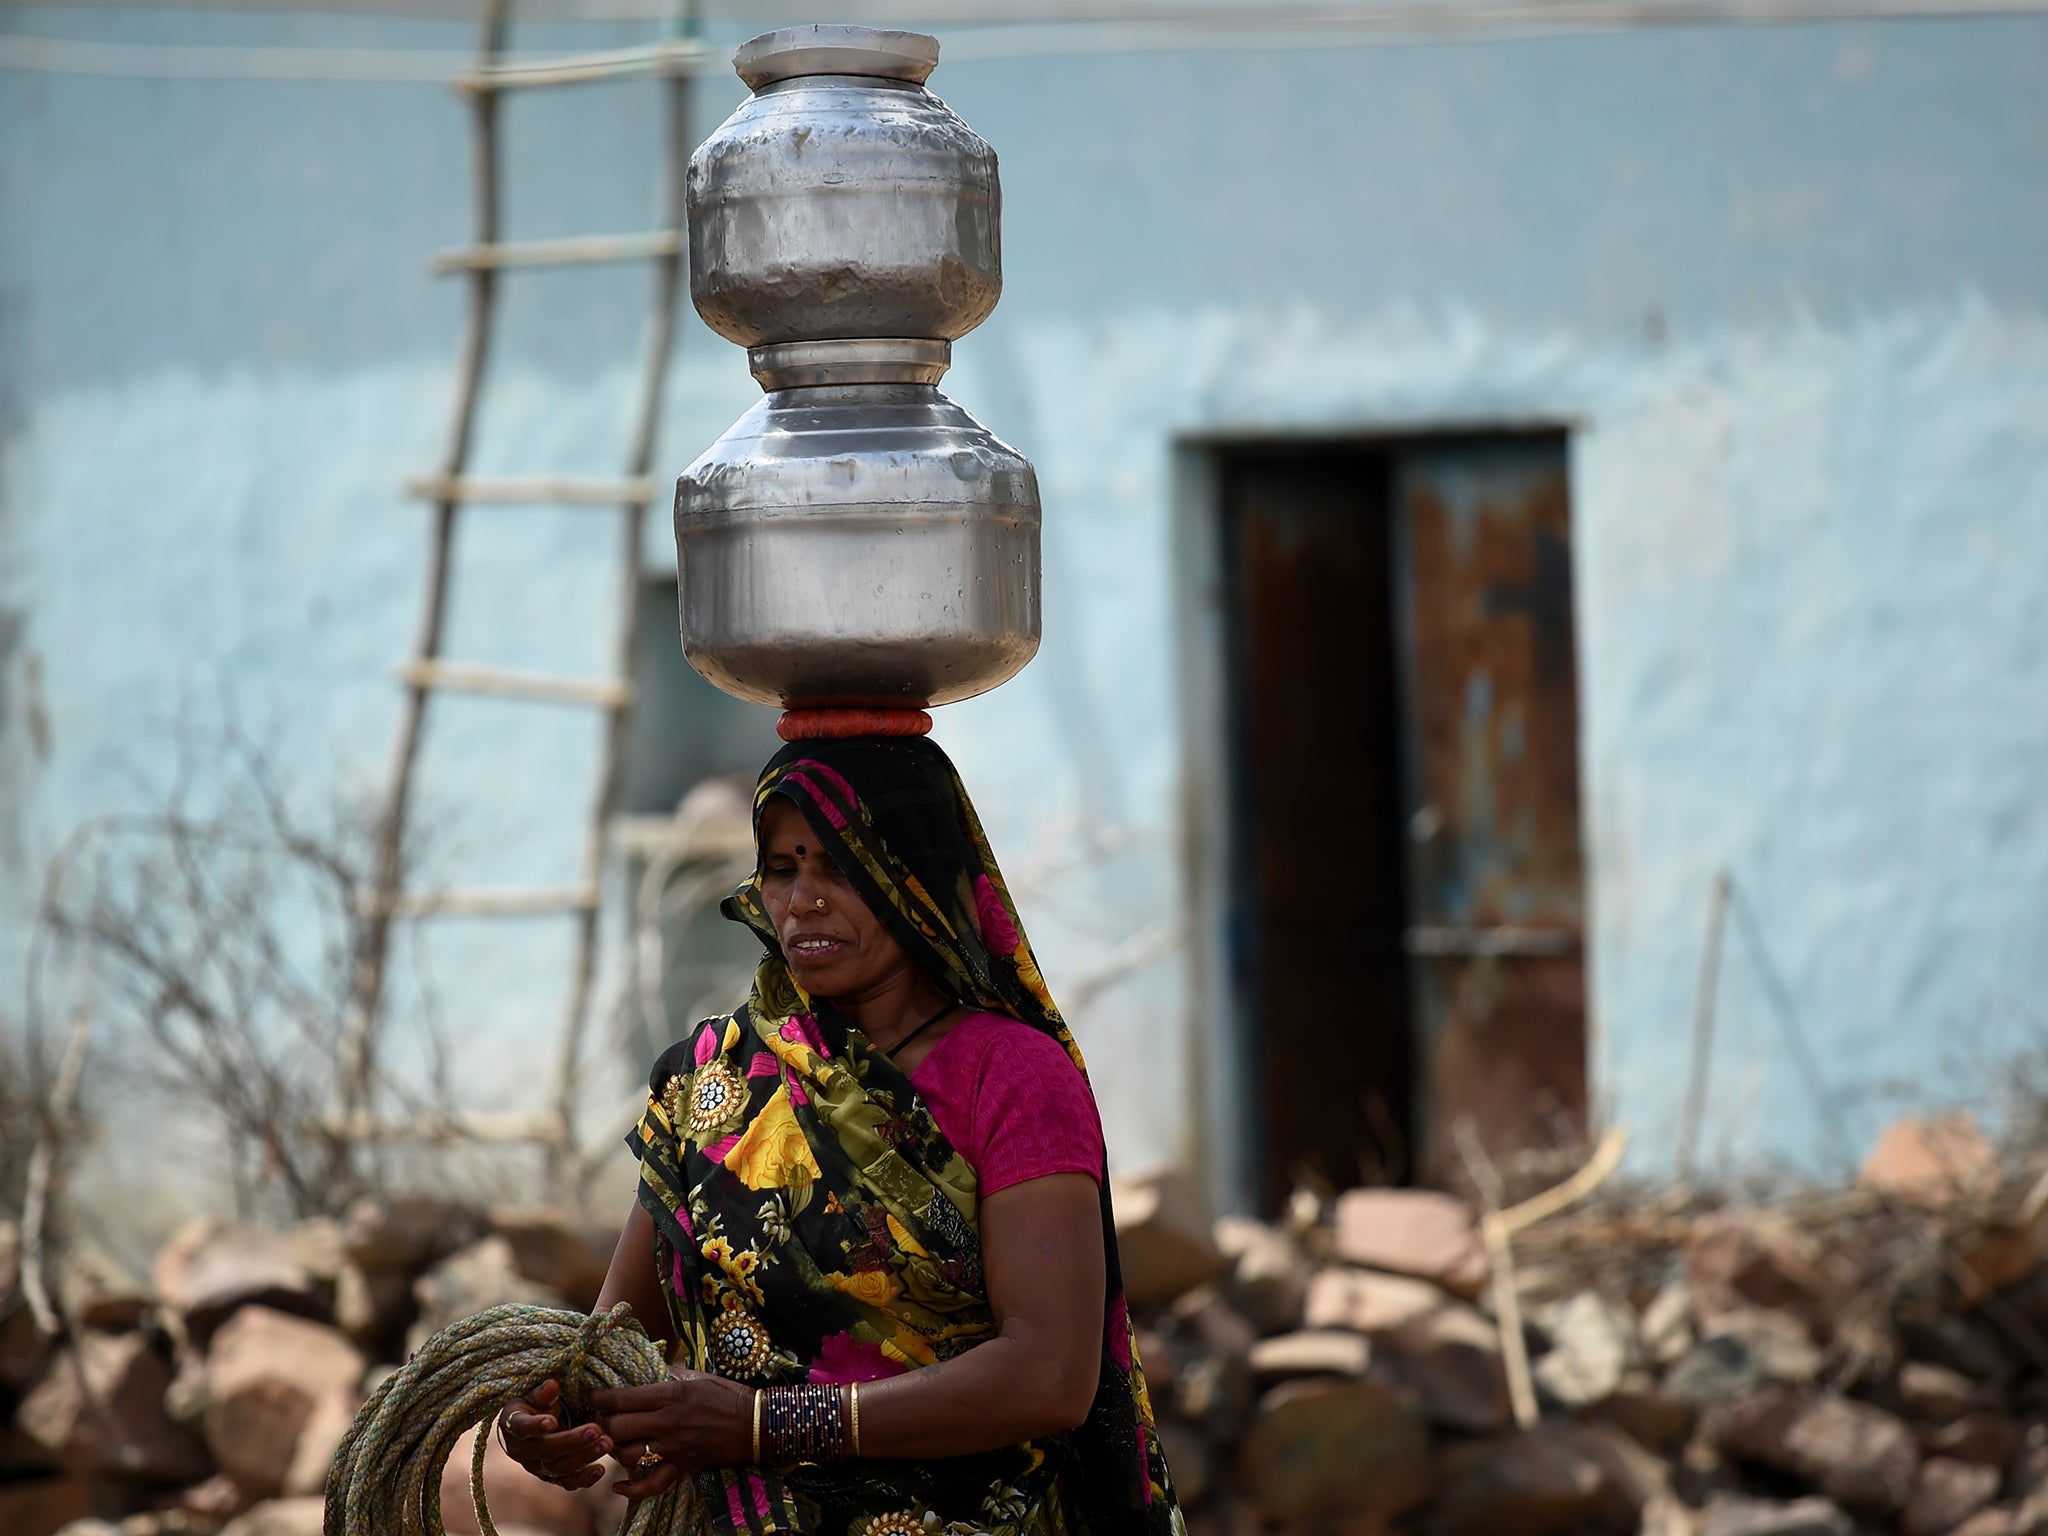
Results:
<point x="876" y="1287"/>
<point x="774" y="1153"/>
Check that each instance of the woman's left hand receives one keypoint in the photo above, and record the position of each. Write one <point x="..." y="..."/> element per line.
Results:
<point x="691" y="1420"/>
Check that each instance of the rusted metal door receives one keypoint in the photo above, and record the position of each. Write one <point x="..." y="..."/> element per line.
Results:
<point x="1318" y="909"/>
<point x="1482" y="538"/>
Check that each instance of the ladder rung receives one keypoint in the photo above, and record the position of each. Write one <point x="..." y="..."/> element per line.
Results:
<point x="577" y="249"/>
<point x="467" y="677"/>
<point x="503" y="901"/>
<point x="532" y="488"/>
<point x="667" y="58"/>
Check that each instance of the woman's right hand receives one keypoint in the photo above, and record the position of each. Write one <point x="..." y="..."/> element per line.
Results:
<point x="531" y="1429"/>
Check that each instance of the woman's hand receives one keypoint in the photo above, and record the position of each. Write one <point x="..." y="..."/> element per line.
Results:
<point x="691" y="1420"/>
<point x="533" y="1436"/>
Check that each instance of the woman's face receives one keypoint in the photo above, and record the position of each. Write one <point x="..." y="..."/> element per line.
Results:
<point x="834" y="945"/>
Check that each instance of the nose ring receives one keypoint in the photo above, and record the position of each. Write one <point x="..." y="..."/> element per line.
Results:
<point x="819" y="904"/>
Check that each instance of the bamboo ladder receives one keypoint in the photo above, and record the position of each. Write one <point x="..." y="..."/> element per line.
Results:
<point x="452" y="488"/>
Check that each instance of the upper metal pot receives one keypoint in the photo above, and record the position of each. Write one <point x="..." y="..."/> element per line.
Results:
<point x="842" y="199"/>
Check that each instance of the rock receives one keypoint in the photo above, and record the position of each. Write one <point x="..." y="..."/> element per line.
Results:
<point x="1730" y="1515"/>
<point x="1744" y="1350"/>
<point x="1935" y="1393"/>
<point x="374" y="1307"/>
<point x="1435" y="1343"/>
<point x="1322" y="1448"/>
<point x="1984" y="1437"/>
<point x="1330" y="1352"/>
<point x="1631" y="1479"/>
<point x="1418" y="1232"/>
<point x="2029" y="1298"/>
<point x="482" y="1275"/>
<point x="515" y="1496"/>
<point x="100" y="1412"/>
<point x="215" y="1501"/>
<point x="319" y="1247"/>
<point x="1666" y="1516"/>
<point x="1535" y="1482"/>
<point x="97" y="1291"/>
<point x="167" y="1522"/>
<point x="1367" y="1300"/>
<point x="333" y="1412"/>
<point x="1648" y="1413"/>
<point x="1210" y="1323"/>
<point x="1716" y="1371"/>
<point x="1188" y="1454"/>
<point x="1946" y="1493"/>
<point x="1966" y="1344"/>
<point x="2028" y="1472"/>
<point x="568" y="1257"/>
<point x="279" y="1517"/>
<point x="1214" y="1392"/>
<point x="1163" y="1235"/>
<point x="1268" y="1276"/>
<point x="1858" y="1455"/>
<point x="1665" y="1333"/>
<point x="1933" y="1162"/>
<point x="1742" y="1259"/>
<point x="265" y="1372"/>
<point x="24" y="1352"/>
<point x="1996" y="1522"/>
<point x="210" y="1268"/>
<point x="21" y="1457"/>
<point x="1993" y="1258"/>
<point x="185" y="1398"/>
<point x="45" y="1506"/>
<point x="1450" y="1357"/>
<point x="1592" y="1346"/>
<point x="1780" y="1347"/>
<point x="1215" y="1382"/>
<point x="408" y="1232"/>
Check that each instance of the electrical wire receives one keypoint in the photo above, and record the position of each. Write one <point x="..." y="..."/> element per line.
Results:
<point x="986" y="35"/>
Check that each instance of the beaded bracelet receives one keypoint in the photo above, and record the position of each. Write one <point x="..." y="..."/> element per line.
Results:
<point x="805" y="1421"/>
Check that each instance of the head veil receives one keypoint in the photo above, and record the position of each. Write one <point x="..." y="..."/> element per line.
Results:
<point x="909" y="841"/>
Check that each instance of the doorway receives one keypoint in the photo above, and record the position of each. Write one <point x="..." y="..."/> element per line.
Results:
<point x="1406" y="884"/>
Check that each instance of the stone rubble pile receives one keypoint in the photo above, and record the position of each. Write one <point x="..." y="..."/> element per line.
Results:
<point x="1868" y="1361"/>
<point x="210" y="1396"/>
<point x="1873" y="1360"/>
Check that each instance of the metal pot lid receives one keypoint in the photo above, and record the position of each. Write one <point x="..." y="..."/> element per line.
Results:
<point x="835" y="50"/>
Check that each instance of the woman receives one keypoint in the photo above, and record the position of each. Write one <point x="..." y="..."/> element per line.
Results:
<point x="872" y="1209"/>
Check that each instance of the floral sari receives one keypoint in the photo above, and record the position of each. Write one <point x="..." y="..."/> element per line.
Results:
<point x="812" y="1221"/>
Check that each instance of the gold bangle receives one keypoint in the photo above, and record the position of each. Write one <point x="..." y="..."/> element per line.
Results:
<point x="853" y="1412"/>
<point x="757" y="1424"/>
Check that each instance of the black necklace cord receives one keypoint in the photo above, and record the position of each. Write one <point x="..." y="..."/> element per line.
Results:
<point x="927" y="1024"/>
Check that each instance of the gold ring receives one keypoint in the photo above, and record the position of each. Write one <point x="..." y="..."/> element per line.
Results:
<point x="649" y="1459"/>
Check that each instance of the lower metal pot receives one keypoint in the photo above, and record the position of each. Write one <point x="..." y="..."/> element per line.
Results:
<point x="866" y="543"/>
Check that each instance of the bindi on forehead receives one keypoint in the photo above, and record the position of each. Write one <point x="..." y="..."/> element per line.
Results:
<point x="801" y="850"/>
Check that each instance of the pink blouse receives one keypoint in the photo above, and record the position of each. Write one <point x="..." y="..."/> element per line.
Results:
<point x="1011" y="1101"/>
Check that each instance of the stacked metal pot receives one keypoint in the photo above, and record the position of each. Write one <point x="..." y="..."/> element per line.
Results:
<point x="856" y="538"/>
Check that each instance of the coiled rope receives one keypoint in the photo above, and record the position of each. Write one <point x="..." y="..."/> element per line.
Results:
<point x="386" y="1478"/>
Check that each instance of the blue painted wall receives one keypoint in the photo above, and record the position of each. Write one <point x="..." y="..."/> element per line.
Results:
<point x="1789" y="287"/>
